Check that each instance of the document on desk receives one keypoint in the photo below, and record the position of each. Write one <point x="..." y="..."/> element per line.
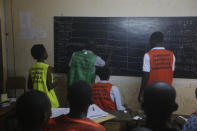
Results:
<point x="93" y="112"/>
<point x="59" y="111"/>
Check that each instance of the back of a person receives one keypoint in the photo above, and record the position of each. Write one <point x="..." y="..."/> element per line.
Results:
<point x="158" y="105"/>
<point x="101" y="96"/>
<point x="82" y="67"/>
<point x="38" y="73"/>
<point x="161" y="62"/>
<point x="33" y="110"/>
<point x="65" y="123"/>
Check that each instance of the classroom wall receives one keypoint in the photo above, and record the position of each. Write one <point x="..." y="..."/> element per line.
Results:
<point x="41" y="13"/>
<point x="3" y="44"/>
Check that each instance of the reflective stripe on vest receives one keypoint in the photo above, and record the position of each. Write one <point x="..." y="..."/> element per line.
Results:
<point x="161" y="62"/>
<point x="82" y="67"/>
<point x="38" y="73"/>
<point x="101" y="96"/>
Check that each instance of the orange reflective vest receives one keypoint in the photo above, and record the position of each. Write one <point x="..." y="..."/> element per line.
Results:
<point x="161" y="62"/>
<point x="65" y="123"/>
<point x="101" y="96"/>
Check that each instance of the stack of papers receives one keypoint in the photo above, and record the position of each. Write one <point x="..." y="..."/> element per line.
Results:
<point x="93" y="112"/>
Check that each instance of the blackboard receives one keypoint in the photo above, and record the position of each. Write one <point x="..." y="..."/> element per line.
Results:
<point x="130" y="36"/>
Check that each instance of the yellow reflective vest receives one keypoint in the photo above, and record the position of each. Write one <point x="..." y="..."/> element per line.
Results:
<point x="38" y="73"/>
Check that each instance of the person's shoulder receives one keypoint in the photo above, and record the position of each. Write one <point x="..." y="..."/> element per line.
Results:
<point x="95" y="126"/>
<point x="58" y="118"/>
<point x="169" y="51"/>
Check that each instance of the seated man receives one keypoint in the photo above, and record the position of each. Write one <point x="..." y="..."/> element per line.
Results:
<point x="158" y="105"/>
<point x="33" y="110"/>
<point x="191" y="124"/>
<point x="104" y="94"/>
<point x="79" y="97"/>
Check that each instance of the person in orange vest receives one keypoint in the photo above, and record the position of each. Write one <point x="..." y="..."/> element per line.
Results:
<point x="158" y="63"/>
<point x="79" y="97"/>
<point x="104" y="94"/>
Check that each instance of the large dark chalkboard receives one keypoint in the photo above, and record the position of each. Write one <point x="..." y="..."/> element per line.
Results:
<point x="129" y="36"/>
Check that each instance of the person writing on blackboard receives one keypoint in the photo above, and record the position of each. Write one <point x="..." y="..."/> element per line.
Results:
<point x="83" y="63"/>
<point x="158" y="63"/>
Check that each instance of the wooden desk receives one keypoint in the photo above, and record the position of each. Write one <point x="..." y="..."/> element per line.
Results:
<point x="121" y="116"/>
<point x="104" y="119"/>
<point x="6" y="112"/>
<point x="130" y="123"/>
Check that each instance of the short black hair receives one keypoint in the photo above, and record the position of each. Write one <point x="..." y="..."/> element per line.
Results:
<point x="159" y="101"/>
<point x="31" y="109"/>
<point x="38" y="51"/>
<point x="90" y="44"/>
<point x="79" y="95"/>
<point x="156" y="38"/>
<point x="103" y="73"/>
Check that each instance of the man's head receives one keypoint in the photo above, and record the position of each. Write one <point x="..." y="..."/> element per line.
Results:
<point x="156" y="39"/>
<point x="103" y="73"/>
<point x="38" y="52"/>
<point x="90" y="45"/>
<point x="79" y="96"/>
<point x="159" y="101"/>
<point x="33" y="110"/>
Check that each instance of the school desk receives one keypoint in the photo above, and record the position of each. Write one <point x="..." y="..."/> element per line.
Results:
<point x="104" y="119"/>
<point x="5" y="112"/>
<point x="127" y="119"/>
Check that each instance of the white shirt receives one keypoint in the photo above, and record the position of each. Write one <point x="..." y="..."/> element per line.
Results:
<point x="115" y="96"/>
<point x="99" y="61"/>
<point x="146" y="61"/>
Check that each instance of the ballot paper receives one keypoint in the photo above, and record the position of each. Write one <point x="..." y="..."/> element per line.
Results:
<point x="93" y="112"/>
<point x="137" y="118"/>
<point x="59" y="111"/>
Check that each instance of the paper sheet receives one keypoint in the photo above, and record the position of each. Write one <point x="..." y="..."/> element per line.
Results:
<point x="59" y="111"/>
<point x="27" y="30"/>
<point x="26" y="25"/>
<point x="93" y="112"/>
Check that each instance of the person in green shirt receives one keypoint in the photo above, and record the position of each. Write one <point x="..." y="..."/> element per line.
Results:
<point x="41" y="76"/>
<point x="83" y="63"/>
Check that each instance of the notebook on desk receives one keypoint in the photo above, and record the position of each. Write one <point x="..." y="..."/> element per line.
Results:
<point x="93" y="112"/>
